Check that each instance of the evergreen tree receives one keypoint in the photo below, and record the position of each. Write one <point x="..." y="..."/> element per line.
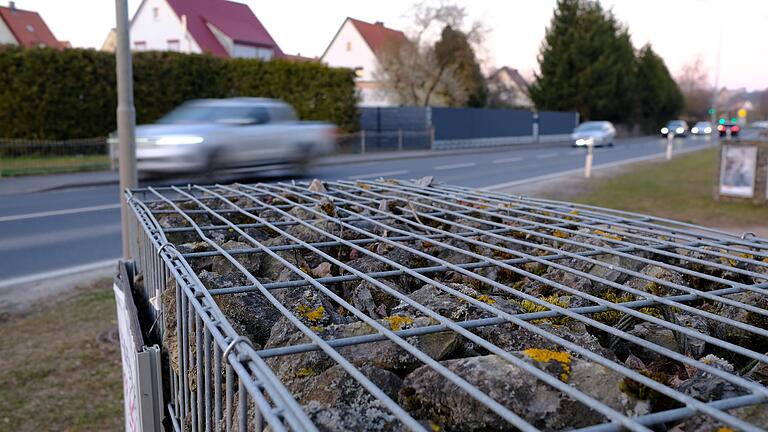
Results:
<point x="586" y="64"/>
<point x="454" y="52"/>
<point x="659" y="97"/>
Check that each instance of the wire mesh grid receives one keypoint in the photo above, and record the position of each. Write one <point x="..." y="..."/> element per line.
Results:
<point x="394" y="305"/>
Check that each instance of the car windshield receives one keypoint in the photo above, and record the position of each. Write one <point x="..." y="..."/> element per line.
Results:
<point x="702" y="124"/>
<point x="675" y="124"/>
<point x="589" y="126"/>
<point x="197" y="113"/>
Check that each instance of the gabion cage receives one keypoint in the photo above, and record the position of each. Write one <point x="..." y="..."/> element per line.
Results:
<point x="413" y="305"/>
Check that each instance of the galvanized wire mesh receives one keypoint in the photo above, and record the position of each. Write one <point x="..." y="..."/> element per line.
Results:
<point x="389" y="305"/>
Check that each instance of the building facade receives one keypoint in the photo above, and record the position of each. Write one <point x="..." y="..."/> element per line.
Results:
<point x="357" y="45"/>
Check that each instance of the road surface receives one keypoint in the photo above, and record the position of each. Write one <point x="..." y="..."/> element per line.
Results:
<point x="45" y="231"/>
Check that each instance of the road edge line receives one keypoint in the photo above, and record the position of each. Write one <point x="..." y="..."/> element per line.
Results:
<point x="52" y="274"/>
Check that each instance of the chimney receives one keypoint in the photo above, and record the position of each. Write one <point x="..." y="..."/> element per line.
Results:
<point x="12" y="6"/>
<point x="379" y="23"/>
<point x="184" y="22"/>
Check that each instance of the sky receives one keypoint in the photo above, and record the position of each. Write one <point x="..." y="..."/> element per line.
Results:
<point x="679" y="30"/>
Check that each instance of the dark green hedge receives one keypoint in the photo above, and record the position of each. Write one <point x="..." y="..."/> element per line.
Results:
<point x="50" y="94"/>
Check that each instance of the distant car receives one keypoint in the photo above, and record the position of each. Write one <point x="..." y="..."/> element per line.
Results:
<point x="208" y="135"/>
<point x="594" y="133"/>
<point x="763" y="124"/>
<point x="676" y="127"/>
<point x="702" y="128"/>
<point x="724" y="128"/>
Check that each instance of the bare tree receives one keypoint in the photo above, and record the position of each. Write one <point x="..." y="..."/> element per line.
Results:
<point x="693" y="81"/>
<point x="411" y="69"/>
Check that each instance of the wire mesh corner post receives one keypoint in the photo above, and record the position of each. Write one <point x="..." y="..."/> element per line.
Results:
<point x="532" y="289"/>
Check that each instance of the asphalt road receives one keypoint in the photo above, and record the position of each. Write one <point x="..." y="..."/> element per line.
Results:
<point x="46" y="231"/>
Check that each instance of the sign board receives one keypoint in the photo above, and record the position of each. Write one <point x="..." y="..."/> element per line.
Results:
<point x="142" y="385"/>
<point x="738" y="169"/>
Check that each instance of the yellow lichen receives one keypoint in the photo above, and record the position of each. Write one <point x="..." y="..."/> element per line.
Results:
<point x="486" y="299"/>
<point x="606" y="235"/>
<point x="746" y="255"/>
<point x="560" y="234"/>
<point x="434" y="427"/>
<point x="725" y="429"/>
<point x="362" y="185"/>
<point x="546" y="356"/>
<point x="316" y="329"/>
<point x="532" y="307"/>
<point x="397" y="322"/>
<point x="305" y="373"/>
<point x="313" y="315"/>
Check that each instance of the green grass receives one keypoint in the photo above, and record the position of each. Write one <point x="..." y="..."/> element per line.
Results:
<point x="35" y="165"/>
<point x="56" y="372"/>
<point x="680" y="189"/>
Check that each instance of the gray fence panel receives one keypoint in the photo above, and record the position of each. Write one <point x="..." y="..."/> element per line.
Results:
<point x="469" y="123"/>
<point x="556" y="123"/>
<point x="382" y="126"/>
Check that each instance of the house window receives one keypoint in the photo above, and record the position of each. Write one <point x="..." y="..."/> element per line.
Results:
<point x="349" y="46"/>
<point x="359" y="71"/>
<point x="156" y="13"/>
<point x="140" y="46"/>
<point x="174" y="45"/>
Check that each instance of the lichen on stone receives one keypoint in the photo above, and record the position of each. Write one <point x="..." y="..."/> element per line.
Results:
<point x="546" y="356"/>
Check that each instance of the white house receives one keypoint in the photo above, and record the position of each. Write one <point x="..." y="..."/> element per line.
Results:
<point x="219" y="27"/>
<point x="509" y="88"/>
<point x="357" y="45"/>
<point x="26" y="28"/>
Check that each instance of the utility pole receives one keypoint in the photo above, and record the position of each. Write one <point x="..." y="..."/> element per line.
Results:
<point x="126" y="118"/>
<point x="716" y="92"/>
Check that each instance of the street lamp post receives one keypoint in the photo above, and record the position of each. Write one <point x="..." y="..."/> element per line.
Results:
<point x="126" y="118"/>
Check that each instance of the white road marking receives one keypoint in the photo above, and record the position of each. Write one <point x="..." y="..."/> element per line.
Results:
<point x="546" y="155"/>
<point x="454" y="166"/>
<point x="507" y="160"/>
<point x="581" y="170"/>
<point x="58" y="212"/>
<point x="377" y="175"/>
<point x="54" y="274"/>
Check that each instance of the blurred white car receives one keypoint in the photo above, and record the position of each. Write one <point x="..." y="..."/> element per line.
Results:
<point x="702" y="128"/>
<point x="594" y="133"/>
<point x="208" y="135"/>
<point x="762" y="124"/>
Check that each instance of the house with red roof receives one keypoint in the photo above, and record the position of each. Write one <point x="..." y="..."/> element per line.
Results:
<point x="219" y="27"/>
<point x="26" y="28"/>
<point x="357" y="45"/>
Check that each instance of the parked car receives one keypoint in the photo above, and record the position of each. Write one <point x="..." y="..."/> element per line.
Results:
<point x="208" y="135"/>
<point x="724" y="128"/>
<point x="762" y="124"/>
<point x="702" y="128"/>
<point x="594" y="133"/>
<point x="676" y="127"/>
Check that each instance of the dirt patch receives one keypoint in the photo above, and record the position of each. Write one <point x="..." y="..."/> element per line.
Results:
<point x="60" y="364"/>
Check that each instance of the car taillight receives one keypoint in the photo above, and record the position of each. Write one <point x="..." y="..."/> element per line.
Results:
<point x="720" y="127"/>
<point x="734" y="128"/>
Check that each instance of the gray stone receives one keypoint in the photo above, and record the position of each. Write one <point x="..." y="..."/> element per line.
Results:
<point x="428" y="395"/>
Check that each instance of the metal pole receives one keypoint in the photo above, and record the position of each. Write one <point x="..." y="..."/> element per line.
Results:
<point x="535" y="127"/>
<point x="588" y="162"/>
<point x="362" y="141"/>
<point x="432" y="137"/>
<point x="670" y="137"/>
<point x="716" y="92"/>
<point x="400" y="139"/>
<point x="126" y="117"/>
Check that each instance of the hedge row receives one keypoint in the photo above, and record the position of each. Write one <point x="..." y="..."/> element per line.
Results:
<point x="50" y="94"/>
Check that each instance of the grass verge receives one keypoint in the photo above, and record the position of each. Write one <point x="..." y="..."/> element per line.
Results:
<point x="34" y="165"/>
<point x="679" y="189"/>
<point x="60" y="365"/>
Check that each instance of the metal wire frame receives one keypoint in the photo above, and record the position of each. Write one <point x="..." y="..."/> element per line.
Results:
<point x="378" y="190"/>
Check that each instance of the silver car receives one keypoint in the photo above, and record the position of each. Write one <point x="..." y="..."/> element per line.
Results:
<point x="207" y="135"/>
<point x="702" y="128"/>
<point x="593" y="133"/>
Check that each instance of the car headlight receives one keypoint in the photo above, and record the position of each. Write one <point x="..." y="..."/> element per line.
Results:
<point x="179" y="140"/>
<point x="664" y="130"/>
<point x="695" y="130"/>
<point x="679" y="130"/>
<point x="707" y="130"/>
<point x="585" y="141"/>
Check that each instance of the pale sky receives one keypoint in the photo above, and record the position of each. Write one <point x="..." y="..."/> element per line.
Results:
<point x="679" y="29"/>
